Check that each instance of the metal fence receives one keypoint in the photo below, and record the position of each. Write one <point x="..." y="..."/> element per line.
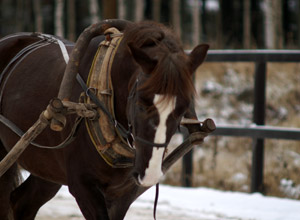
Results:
<point x="259" y="131"/>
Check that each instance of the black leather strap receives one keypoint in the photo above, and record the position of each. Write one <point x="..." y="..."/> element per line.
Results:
<point x="149" y="143"/>
<point x="123" y="131"/>
<point x="20" y="133"/>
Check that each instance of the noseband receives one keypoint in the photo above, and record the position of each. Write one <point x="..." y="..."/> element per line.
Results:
<point x="132" y="101"/>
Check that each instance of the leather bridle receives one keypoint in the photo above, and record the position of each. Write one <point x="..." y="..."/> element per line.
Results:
<point x="132" y="99"/>
<point x="126" y="134"/>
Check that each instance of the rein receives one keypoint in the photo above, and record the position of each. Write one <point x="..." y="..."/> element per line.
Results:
<point x="71" y="137"/>
<point x="45" y="40"/>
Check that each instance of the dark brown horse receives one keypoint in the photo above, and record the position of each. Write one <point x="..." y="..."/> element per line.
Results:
<point x="150" y="62"/>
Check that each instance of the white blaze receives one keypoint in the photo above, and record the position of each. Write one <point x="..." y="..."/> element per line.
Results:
<point x="153" y="173"/>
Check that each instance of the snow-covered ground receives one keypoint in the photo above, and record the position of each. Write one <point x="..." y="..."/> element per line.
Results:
<point x="178" y="203"/>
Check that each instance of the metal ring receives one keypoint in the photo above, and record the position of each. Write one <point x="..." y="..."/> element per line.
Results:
<point x="90" y="89"/>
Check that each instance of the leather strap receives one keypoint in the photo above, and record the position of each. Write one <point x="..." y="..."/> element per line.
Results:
<point x="63" y="144"/>
<point x="123" y="131"/>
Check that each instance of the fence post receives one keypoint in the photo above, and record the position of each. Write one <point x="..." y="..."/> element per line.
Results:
<point x="259" y="119"/>
<point x="187" y="164"/>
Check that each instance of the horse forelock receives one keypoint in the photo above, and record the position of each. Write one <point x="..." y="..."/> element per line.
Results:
<point x="171" y="76"/>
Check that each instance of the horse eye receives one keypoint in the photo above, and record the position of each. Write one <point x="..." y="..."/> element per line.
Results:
<point x="149" y="43"/>
<point x="141" y="106"/>
<point x="144" y="102"/>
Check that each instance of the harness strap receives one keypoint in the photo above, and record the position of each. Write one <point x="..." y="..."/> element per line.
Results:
<point x="149" y="143"/>
<point x="60" y="44"/>
<point x="123" y="131"/>
<point x="45" y="40"/>
<point x="20" y="133"/>
<point x="25" y="51"/>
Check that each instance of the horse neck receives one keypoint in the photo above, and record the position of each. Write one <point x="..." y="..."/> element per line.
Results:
<point x="123" y="69"/>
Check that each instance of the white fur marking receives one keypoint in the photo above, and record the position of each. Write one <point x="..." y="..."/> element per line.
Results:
<point x="153" y="173"/>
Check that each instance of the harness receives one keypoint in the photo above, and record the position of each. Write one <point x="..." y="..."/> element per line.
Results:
<point x="45" y="40"/>
<point x="109" y="137"/>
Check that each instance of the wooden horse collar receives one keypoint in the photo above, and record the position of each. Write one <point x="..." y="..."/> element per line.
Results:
<point x="108" y="141"/>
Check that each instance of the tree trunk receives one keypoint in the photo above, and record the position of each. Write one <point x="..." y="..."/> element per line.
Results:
<point x="273" y="24"/>
<point x="121" y="9"/>
<point x="196" y="22"/>
<point x="71" y="20"/>
<point x="278" y="23"/>
<point x="269" y="25"/>
<point x="59" y="23"/>
<point x="38" y="16"/>
<point x="94" y="11"/>
<point x="219" y="27"/>
<point x="109" y="8"/>
<point x="247" y="25"/>
<point x="298" y="24"/>
<point x="19" y="24"/>
<point x="139" y="10"/>
<point x="175" y="17"/>
<point x="27" y="16"/>
<point x="156" y="10"/>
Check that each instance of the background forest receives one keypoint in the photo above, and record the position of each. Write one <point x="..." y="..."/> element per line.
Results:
<point x="249" y="24"/>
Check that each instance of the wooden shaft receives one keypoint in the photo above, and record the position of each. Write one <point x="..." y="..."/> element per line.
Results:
<point x="25" y="140"/>
<point x="196" y="137"/>
<point x="69" y="78"/>
<point x="182" y="149"/>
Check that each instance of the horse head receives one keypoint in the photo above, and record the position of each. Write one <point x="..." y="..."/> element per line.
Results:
<point x="160" y="94"/>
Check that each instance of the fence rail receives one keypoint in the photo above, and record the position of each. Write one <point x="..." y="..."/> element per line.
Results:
<point x="258" y="132"/>
<point x="253" y="56"/>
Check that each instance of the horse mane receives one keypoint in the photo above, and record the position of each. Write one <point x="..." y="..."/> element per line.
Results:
<point x="171" y="76"/>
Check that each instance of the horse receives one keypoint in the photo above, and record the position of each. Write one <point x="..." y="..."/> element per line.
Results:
<point x="153" y="90"/>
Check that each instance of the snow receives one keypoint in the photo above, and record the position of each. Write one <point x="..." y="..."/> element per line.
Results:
<point x="188" y="203"/>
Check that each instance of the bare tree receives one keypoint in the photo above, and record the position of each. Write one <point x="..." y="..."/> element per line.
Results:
<point x="94" y="11"/>
<point x="156" y="10"/>
<point x="196" y="22"/>
<point x="109" y="9"/>
<point x="273" y="24"/>
<point x="298" y="24"/>
<point x="175" y="17"/>
<point x="19" y="14"/>
<point x="71" y="20"/>
<point x="59" y="24"/>
<point x="139" y="10"/>
<point x="38" y="16"/>
<point x="278" y="23"/>
<point x="121" y="9"/>
<point x="247" y="24"/>
<point x="219" y="25"/>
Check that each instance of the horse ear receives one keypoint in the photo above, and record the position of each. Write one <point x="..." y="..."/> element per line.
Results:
<point x="197" y="56"/>
<point x="146" y="62"/>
